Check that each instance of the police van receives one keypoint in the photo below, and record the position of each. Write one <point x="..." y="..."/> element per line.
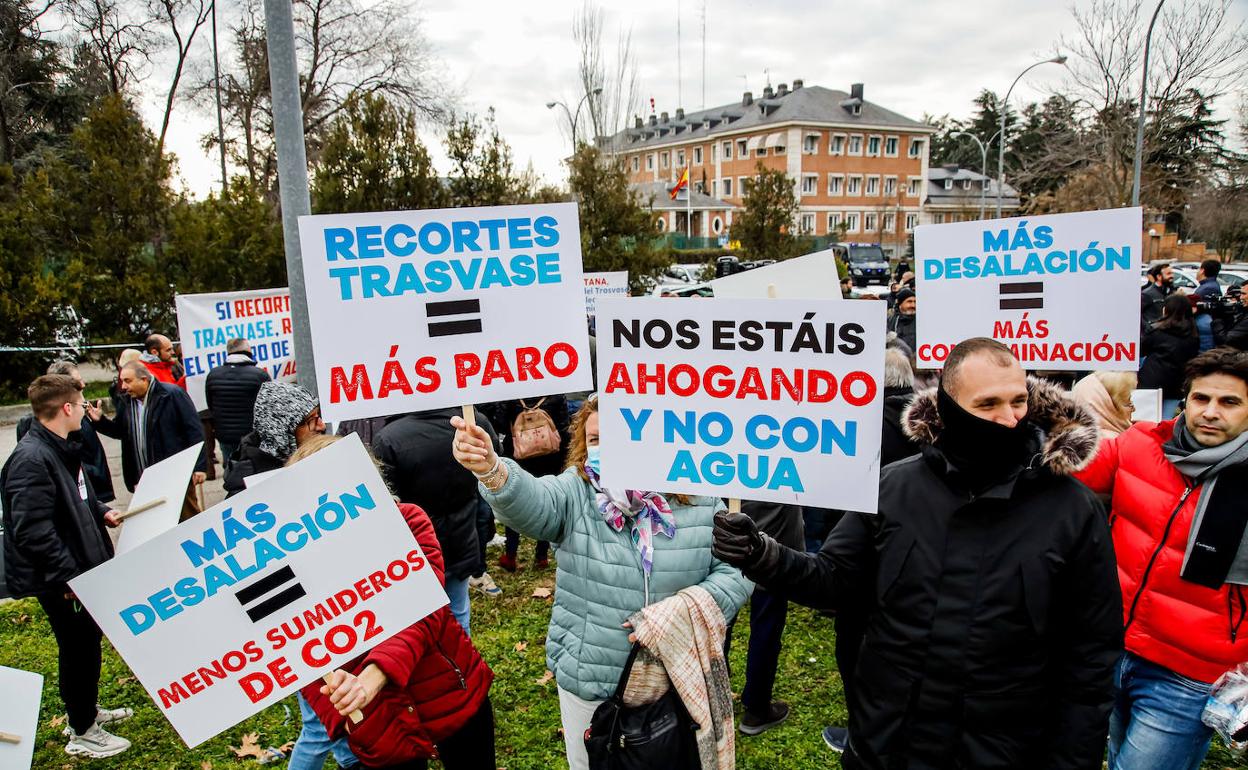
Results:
<point x="866" y="262"/>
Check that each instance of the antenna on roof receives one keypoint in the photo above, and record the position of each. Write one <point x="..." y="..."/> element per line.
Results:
<point x="767" y="74"/>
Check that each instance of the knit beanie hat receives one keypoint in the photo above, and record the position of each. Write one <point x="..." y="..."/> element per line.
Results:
<point x="280" y="408"/>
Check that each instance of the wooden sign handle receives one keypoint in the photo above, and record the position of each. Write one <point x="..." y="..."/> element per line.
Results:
<point x="149" y="505"/>
<point x="10" y="738"/>
<point x="734" y="505"/>
<point x="470" y="415"/>
<point x="771" y="291"/>
<point x="357" y="716"/>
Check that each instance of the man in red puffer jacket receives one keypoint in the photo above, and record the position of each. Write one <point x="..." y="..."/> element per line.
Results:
<point x="424" y="692"/>
<point x="1178" y="525"/>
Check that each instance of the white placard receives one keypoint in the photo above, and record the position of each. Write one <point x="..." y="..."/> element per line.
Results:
<point x="778" y="400"/>
<point x="260" y="478"/>
<point x="206" y="322"/>
<point x="812" y="276"/>
<point x="1147" y="405"/>
<point x="1063" y="290"/>
<point x="213" y="616"/>
<point x="417" y="310"/>
<point x="169" y="479"/>
<point x="19" y="716"/>
<point x="613" y="284"/>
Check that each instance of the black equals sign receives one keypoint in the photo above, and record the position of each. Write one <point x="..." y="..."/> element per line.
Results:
<point x="267" y="585"/>
<point x="1010" y="302"/>
<point x="455" y="307"/>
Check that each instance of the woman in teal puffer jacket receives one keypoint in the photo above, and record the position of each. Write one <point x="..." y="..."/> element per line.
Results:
<point x="617" y="553"/>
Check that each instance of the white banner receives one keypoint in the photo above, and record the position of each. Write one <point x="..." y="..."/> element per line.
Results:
<point x="613" y="284"/>
<point x="778" y="400"/>
<point x="416" y="310"/>
<point x="236" y="608"/>
<point x="1063" y="290"/>
<point x="166" y="480"/>
<point x="206" y="322"/>
<point x="19" y="717"/>
<point x="812" y="276"/>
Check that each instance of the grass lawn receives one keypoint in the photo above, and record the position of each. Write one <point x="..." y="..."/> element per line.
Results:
<point x="510" y="631"/>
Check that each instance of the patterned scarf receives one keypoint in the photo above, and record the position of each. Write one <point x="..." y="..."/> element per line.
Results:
<point x="648" y="512"/>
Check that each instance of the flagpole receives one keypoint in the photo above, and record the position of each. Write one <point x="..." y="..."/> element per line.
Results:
<point x="688" y="209"/>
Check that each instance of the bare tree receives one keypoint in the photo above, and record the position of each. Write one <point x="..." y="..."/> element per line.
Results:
<point x="182" y="19"/>
<point x="120" y="35"/>
<point x="610" y="109"/>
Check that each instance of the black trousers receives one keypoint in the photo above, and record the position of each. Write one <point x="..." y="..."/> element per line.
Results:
<point x="471" y="748"/>
<point x="768" y="614"/>
<point x="485" y="532"/>
<point x="78" y="657"/>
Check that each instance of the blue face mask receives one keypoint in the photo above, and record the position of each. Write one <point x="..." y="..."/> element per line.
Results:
<point x="593" y="459"/>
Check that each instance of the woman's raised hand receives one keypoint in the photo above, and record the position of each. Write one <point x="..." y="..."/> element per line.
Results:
<point x="472" y="447"/>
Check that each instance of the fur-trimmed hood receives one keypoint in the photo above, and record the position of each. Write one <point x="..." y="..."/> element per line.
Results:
<point x="1070" y="431"/>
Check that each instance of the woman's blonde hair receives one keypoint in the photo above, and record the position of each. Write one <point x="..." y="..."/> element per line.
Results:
<point x="1119" y="386"/>
<point x="319" y="441"/>
<point x="578" y="448"/>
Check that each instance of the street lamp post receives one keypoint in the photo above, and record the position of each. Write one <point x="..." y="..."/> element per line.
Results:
<point x="983" y="166"/>
<point x="573" y="117"/>
<point x="1139" y="125"/>
<point x="1001" y="107"/>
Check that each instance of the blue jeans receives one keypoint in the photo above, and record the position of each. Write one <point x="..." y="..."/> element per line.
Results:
<point x="313" y="744"/>
<point x="457" y="592"/>
<point x="1155" y="724"/>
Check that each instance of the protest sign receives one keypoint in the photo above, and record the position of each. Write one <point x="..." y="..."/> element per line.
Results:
<point x="812" y="276"/>
<point x="778" y="400"/>
<point x="167" y="480"/>
<point x="206" y="322"/>
<point x="416" y="310"/>
<point x="1062" y="291"/>
<point x="1147" y="405"/>
<point x="613" y="284"/>
<point x="234" y="609"/>
<point x="19" y="717"/>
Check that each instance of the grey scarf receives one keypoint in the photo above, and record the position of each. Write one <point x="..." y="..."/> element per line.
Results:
<point x="1202" y="464"/>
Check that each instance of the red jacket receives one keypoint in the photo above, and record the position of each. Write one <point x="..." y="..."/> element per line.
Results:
<point x="436" y="679"/>
<point x="164" y="371"/>
<point x="1188" y="628"/>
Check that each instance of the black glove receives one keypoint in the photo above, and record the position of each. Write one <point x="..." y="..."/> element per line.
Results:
<point x="736" y="539"/>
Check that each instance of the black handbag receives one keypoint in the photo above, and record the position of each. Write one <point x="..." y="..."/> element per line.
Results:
<point x="660" y="734"/>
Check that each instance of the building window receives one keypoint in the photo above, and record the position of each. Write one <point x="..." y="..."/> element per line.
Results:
<point x="913" y="190"/>
<point x="890" y="146"/>
<point x="916" y="147"/>
<point x="661" y="223"/>
<point x="810" y="184"/>
<point x="854" y="185"/>
<point x="727" y="150"/>
<point x="742" y="189"/>
<point x="780" y="149"/>
<point x="714" y="152"/>
<point x="890" y="186"/>
<point x="663" y="159"/>
<point x="948" y="184"/>
<point x="834" y="221"/>
<point x="836" y="184"/>
<point x="807" y="223"/>
<point x="697" y="156"/>
<point x="760" y="152"/>
<point x="873" y="146"/>
<point x="890" y="222"/>
<point x="873" y="185"/>
<point x="912" y="221"/>
<point x="966" y="184"/>
<point x="810" y="144"/>
<point x="855" y="144"/>
<point x="938" y="219"/>
<point x="726" y="183"/>
<point x="851" y="223"/>
<point x="717" y="225"/>
<point x="650" y="162"/>
<point x="868" y="222"/>
<point x="836" y="145"/>
<point x="680" y="159"/>
<point x="636" y="163"/>
<point x="742" y="149"/>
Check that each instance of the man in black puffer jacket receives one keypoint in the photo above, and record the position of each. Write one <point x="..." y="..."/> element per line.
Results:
<point x="230" y="390"/>
<point x="416" y="449"/>
<point x="996" y="617"/>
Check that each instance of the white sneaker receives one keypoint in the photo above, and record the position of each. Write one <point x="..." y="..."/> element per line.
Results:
<point x="485" y="584"/>
<point x="105" y="716"/>
<point x="498" y="541"/>
<point x="96" y="743"/>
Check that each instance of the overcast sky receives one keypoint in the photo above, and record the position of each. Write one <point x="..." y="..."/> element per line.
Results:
<point x="914" y="57"/>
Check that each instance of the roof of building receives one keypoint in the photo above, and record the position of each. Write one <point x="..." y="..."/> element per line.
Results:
<point x="937" y="195"/>
<point x="660" y="197"/>
<point x="810" y="104"/>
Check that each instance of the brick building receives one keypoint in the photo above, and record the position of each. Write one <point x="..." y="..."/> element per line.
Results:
<point x="852" y="162"/>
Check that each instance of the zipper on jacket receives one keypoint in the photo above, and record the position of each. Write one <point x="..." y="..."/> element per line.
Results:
<point x="463" y="683"/>
<point x="1165" y="535"/>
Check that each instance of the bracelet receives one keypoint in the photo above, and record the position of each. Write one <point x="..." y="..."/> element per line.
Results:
<point x="498" y="461"/>
<point x="495" y="479"/>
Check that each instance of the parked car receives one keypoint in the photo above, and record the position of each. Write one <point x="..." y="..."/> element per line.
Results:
<point x="686" y="273"/>
<point x="866" y="262"/>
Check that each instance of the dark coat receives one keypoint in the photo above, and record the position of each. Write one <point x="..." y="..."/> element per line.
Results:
<point x="1236" y="334"/>
<point x="503" y="415"/>
<point x="896" y="444"/>
<point x="230" y="390"/>
<point x="416" y="449"/>
<point x="248" y="460"/>
<point x="52" y="534"/>
<point x="94" y="458"/>
<point x="905" y="327"/>
<point x="1166" y="353"/>
<point x="172" y="425"/>
<point x="1152" y="297"/>
<point x="996" y="620"/>
<point x="780" y="520"/>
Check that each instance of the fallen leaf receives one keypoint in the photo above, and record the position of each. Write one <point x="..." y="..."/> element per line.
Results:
<point x="205" y="765"/>
<point x="287" y="747"/>
<point x="541" y="592"/>
<point x="544" y="678"/>
<point x="126" y="680"/>
<point x="250" y="747"/>
<point x="521" y="646"/>
<point x="23" y="618"/>
<point x="58" y="721"/>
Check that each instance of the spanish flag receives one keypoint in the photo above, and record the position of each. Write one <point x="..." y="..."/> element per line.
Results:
<point x="681" y="183"/>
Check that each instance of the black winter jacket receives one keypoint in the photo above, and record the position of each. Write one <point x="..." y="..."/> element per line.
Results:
<point x="906" y="329"/>
<point x="1152" y="298"/>
<point x="996" y="620"/>
<point x="1166" y="353"/>
<point x="416" y="449"/>
<point x="231" y="390"/>
<point x="503" y="414"/>
<point x="248" y="460"/>
<point x="172" y="425"/>
<point x="52" y="534"/>
<point x="94" y="458"/>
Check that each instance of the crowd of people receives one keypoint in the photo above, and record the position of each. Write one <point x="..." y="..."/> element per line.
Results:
<point x="1046" y="583"/>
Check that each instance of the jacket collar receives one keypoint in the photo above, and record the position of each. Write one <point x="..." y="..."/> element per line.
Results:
<point x="1069" y="432"/>
<point x="64" y="448"/>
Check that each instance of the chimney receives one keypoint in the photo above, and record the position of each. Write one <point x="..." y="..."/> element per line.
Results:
<point x="797" y="84"/>
<point x="747" y="99"/>
<point x="952" y="168"/>
<point x="662" y="117"/>
<point x="654" y="121"/>
<point x="637" y="121"/>
<point x="768" y="92"/>
<point x="782" y="89"/>
<point x="680" y="113"/>
<point x="855" y="91"/>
